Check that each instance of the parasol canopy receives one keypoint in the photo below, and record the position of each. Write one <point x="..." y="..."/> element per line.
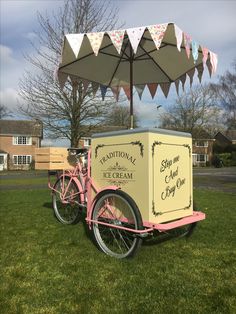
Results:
<point x="155" y="55"/>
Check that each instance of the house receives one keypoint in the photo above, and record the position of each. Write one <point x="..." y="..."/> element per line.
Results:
<point x="224" y="139"/>
<point x="202" y="148"/>
<point x="18" y="140"/>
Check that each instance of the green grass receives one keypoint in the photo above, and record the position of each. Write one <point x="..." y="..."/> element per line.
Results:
<point x="46" y="267"/>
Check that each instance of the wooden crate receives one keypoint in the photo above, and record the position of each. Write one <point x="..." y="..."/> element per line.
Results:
<point x="53" y="158"/>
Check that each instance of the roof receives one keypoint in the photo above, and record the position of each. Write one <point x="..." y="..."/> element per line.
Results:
<point x="21" y="127"/>
<point x="201" y="134"/>
<point x="101" y="129"/>
<point x="231" y="134"/>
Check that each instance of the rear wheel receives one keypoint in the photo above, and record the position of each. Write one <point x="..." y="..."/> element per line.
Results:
<point x="66" y="201"/>
<point x="117" y="209"/>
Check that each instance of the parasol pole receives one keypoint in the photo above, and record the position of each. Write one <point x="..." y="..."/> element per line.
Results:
<point x="131" y="89"/>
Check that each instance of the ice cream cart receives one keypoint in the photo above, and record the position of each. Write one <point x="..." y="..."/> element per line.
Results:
<point x="135" y="181"/>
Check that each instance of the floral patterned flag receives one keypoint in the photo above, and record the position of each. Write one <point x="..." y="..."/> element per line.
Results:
<point x="195" y="46"/>
<point x="95" y="41"/>
<point x="103" y="89"/>
<point x="140" y="88"/>
<point x="187" y="43"/>
<point x="157" y="33"/>
<point x="179" y="36"/>
<point x="75" y="41"/>
<point x="116" y="92"/>
<point x="165" y="87"/>
<point x="135" y="35"/>
<point x="204" y="55"/>
<point x="214" y="61"/>
<point x="152" y="88"/>
<point x="117" y="38"/>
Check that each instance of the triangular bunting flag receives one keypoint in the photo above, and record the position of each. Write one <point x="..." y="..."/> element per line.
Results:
<point x="62" y="78"/>
<point x="165" y="87"/>
<point x="177" y="86"/>
<point x="135" y="35"/>
<point x="195" y="50"/>
<point x="200" y="70"/>
<point x="85" y="85"/>
<point x="127" y="91"/>
<point x="183" y="80"/>
<point x="204" y="55"/>
<point x="152" y="88"/>
<point x="117" y="38"/>
<point x="140" y="88"/>
<point x="179" y="37"/>
<point x="116" y="92"/>
<point x="187" y="43"/>
<point x="75" y="41"/>
<point x="95" y="87"/>
<point x="55" y="74"/>
<point x="74" y="79"/>
<point x="157" y="33"/>
<point x="209" y="66"/>
<point x="214" y="61"/>
<point x="103" y="89"/>
<point x="191" y="74"/>
<point x="95" y="41"/>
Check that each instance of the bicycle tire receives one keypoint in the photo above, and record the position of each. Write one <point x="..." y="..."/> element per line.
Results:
<point x="67" y="213"/>
<point x="116" y="208"/>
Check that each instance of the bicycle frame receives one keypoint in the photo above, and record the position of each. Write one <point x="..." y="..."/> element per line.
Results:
<point x="86" y="187"/>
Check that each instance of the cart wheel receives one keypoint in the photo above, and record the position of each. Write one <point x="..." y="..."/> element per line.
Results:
<point x="66" y="212"/>
<point x="118" y="209"/>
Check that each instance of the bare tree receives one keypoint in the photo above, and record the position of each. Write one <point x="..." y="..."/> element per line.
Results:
<point x="225" y="91"/>
<point x="119" y="115"/>
<point x="4" y="112"/>
<point x="64" y="113"/>
<point x="193" y="111"/>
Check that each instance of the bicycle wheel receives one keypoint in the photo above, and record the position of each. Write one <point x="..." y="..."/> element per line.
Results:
<point x="118" y="209"/>
<point x="66" y="206"/>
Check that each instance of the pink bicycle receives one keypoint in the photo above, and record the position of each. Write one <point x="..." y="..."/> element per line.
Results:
<point x="112" y="215"/>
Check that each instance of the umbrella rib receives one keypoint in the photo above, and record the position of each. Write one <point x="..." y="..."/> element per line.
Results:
<point x="156" y="64"/>
<point x="117" y="66"/>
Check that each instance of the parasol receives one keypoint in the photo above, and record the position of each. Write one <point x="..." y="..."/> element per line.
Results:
<point x="155" y="55"/>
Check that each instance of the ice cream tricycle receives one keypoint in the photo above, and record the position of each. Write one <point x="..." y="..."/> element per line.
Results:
<point x="137" y="182"/>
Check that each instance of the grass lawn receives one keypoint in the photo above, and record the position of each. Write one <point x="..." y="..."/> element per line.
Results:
<point x="46" y="267"/>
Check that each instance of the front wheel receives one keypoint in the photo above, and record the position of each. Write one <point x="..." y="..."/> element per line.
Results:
<point x="116" y="208"/>
<point x="65" y="200"/>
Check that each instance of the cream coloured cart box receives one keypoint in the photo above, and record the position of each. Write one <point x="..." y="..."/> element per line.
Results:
<point x="153" y="166"/>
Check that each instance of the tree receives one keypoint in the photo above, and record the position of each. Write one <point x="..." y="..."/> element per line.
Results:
<point x="193" y="111"/>
<point x="64" y="113"/>
<point x="4" y="112"/>
<point x="225" y="91"/>
<point x="119" y="115"/>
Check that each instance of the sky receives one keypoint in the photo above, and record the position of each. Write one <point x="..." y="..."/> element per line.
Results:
<point x="211" y="23"/>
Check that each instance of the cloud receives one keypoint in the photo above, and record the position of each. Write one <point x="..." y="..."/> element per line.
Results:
<point x="6" y="56"/>
<point x="9" y="97"/>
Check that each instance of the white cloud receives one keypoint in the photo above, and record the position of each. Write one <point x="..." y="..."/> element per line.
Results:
<point x="9" y="97"/>
<point x="6" y="56"/>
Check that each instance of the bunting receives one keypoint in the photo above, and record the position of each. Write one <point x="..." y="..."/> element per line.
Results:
<point x="187" y="43"/>
<point x="152" y="88"/>
<point x="165" y="87"/>
<point x="103" y="89"/>
<point x="204" y="55"/>
<point x="135" y="35"/>
<point x="127" y="91"/>
<point x="179" y="37"/>
<point x="200" y="70"/>
<point x="85" y="85"/>
<point x="183" y="80"/>
<point x="177" y="86"/>
<point x="75" y="42"/>
<point x="140" y="88"/>
<point x="95" y="87"/>
<point x="95" y="40"/>
<point x="62" y="78"/>
<point x="191" y="74"/>
<point x="117" y="38"/>
<point x="195" y="46"/>
<point x="157" y="33"/>
<point x="116" y="92"/>
<point x="214" y="61"/>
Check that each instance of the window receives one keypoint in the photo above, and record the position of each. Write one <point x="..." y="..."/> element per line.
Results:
<point x="22" y="159"/>
<point x="201" y="143"/>
<point x="87" y="142"/>
<point x="22" y="140"/>
<point x="1" y="160"/>
<point x="202" y="158"/>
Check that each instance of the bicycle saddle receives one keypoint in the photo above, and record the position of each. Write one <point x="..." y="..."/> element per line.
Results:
<point x="77" y="150"/>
